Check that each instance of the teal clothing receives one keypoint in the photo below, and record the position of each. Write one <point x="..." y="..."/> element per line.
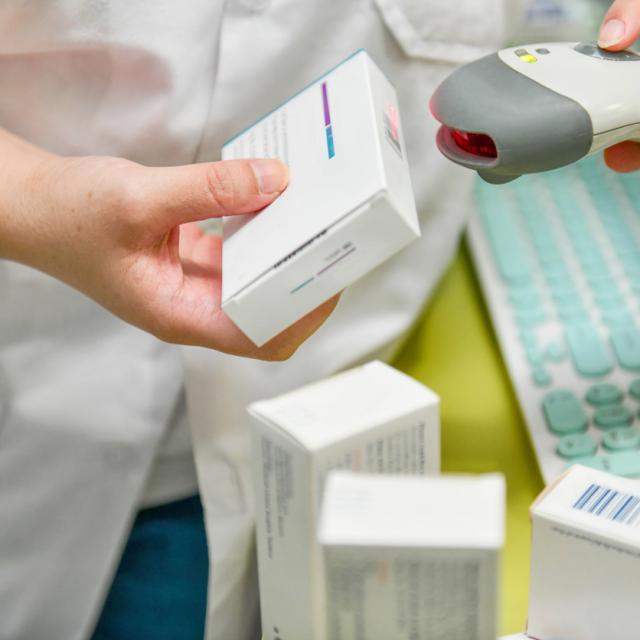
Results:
<point x="159" y="591"/>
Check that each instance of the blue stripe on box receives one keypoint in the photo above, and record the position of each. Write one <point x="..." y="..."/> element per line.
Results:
<point x="330" y="148"/>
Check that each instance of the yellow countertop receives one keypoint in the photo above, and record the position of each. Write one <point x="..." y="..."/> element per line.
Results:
<point x="454" y="352"/>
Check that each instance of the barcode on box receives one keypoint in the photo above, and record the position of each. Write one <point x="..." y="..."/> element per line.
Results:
<point x="608" y="503"/>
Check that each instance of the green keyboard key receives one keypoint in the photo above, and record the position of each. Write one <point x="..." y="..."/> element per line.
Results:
<point x="582" y="237"/>
<point x="621" y="438"/>
<point x="525" y="298"/>
<point x="613" y="415"/>
<point x="601" y="463"/>
<point x="555" y="352"/>
<point x="590" y="255"/>
<point x="576" y="445"/>
<point x="528" y="337"/>
<point x="546" y="253"/>
<point x="567" y="299"/>
<point x="535" y="356"/>
<point x="634" y="389"/>
<point x="625" y="248"/>
<point x="601" y="283"/>
<point x="563" y="285"/>
<point x="626" y="345"/>
<point x="569" y="303"/>
<point x="563" y="412"/>
<point x="530" y="317"/>
<point x="626" y="463"/>
<point x="630" y="259"/>
<point x="634" y="275"/>
<point x="629" y="256"/>
<point x="601" y="394"/>
<point x="618" y="318"/>
<point x="594" y="267"/>
<point x="546" y="248"/>
<point x="508" y="248"/>
<point x="541" y="377"/>
<point x="608" y="299"/>
<point x="572" y="316"/>
<point x="588" y="350"/>
<point x="555" y="270"/>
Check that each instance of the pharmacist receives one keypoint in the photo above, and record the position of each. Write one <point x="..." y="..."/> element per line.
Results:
<point x="102" y="533"/>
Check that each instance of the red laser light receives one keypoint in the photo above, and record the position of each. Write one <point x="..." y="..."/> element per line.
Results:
<point x="477" y="144"/>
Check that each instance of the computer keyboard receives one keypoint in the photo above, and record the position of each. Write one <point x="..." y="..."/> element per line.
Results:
<point x="558" y="258"/>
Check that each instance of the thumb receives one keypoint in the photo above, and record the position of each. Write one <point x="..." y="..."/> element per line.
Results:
<point x="213" y="189"/>
<point x="621" y="26"/>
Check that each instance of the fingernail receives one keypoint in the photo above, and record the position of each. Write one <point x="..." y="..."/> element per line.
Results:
<point x="611" y="33"/>
<point x="272" y="175"/>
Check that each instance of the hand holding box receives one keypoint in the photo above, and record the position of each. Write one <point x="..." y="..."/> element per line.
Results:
<point x="348" y="207"/>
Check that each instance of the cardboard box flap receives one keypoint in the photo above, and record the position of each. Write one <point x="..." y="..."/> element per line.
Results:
<point x="343" y="405"/>
<point x="405" y="511"/>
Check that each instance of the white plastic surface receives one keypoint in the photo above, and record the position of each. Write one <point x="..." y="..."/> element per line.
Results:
<point x="608" y="90"/>
<point x="395" y="511"/>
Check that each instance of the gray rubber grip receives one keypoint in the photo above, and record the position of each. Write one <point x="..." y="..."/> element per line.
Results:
<point x="534" y="128"/>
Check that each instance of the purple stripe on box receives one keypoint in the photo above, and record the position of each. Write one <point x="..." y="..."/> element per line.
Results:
<point x="325" y="103"/>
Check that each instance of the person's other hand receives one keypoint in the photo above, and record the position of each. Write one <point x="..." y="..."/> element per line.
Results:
<point x="126" y="236"/>
<point x="620" y="29"/>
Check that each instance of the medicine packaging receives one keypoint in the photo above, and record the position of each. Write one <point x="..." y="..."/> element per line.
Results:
<point x="410" y="558"/>
<point x="348" y="207"/>
<point x="370" y="419"/>
<point x="585" y="563"/>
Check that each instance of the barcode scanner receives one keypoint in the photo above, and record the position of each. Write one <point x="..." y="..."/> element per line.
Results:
<point x="537" y="107"/>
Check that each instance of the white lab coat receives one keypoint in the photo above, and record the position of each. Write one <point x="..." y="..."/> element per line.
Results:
<point x="84" y="398"/>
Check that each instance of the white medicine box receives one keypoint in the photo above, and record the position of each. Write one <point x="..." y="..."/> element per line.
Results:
<point x="348" y="207"/>
<point x="369" y="419"/>
<point x="410" y="558"/>
<point x="585" y="564"/>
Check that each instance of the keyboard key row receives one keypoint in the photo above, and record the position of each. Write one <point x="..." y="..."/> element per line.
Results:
<point x="614" y="415"/>
<point x="626" y="344"/>
<point x="602" y="394"/>
<point x="589" y="351"/>
<point x="564" y="412"/>
<point x="581" y="445"/>
<point x="626" y="463"/>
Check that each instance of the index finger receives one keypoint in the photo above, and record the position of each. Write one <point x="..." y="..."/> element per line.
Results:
<point x="621" y="25"/>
